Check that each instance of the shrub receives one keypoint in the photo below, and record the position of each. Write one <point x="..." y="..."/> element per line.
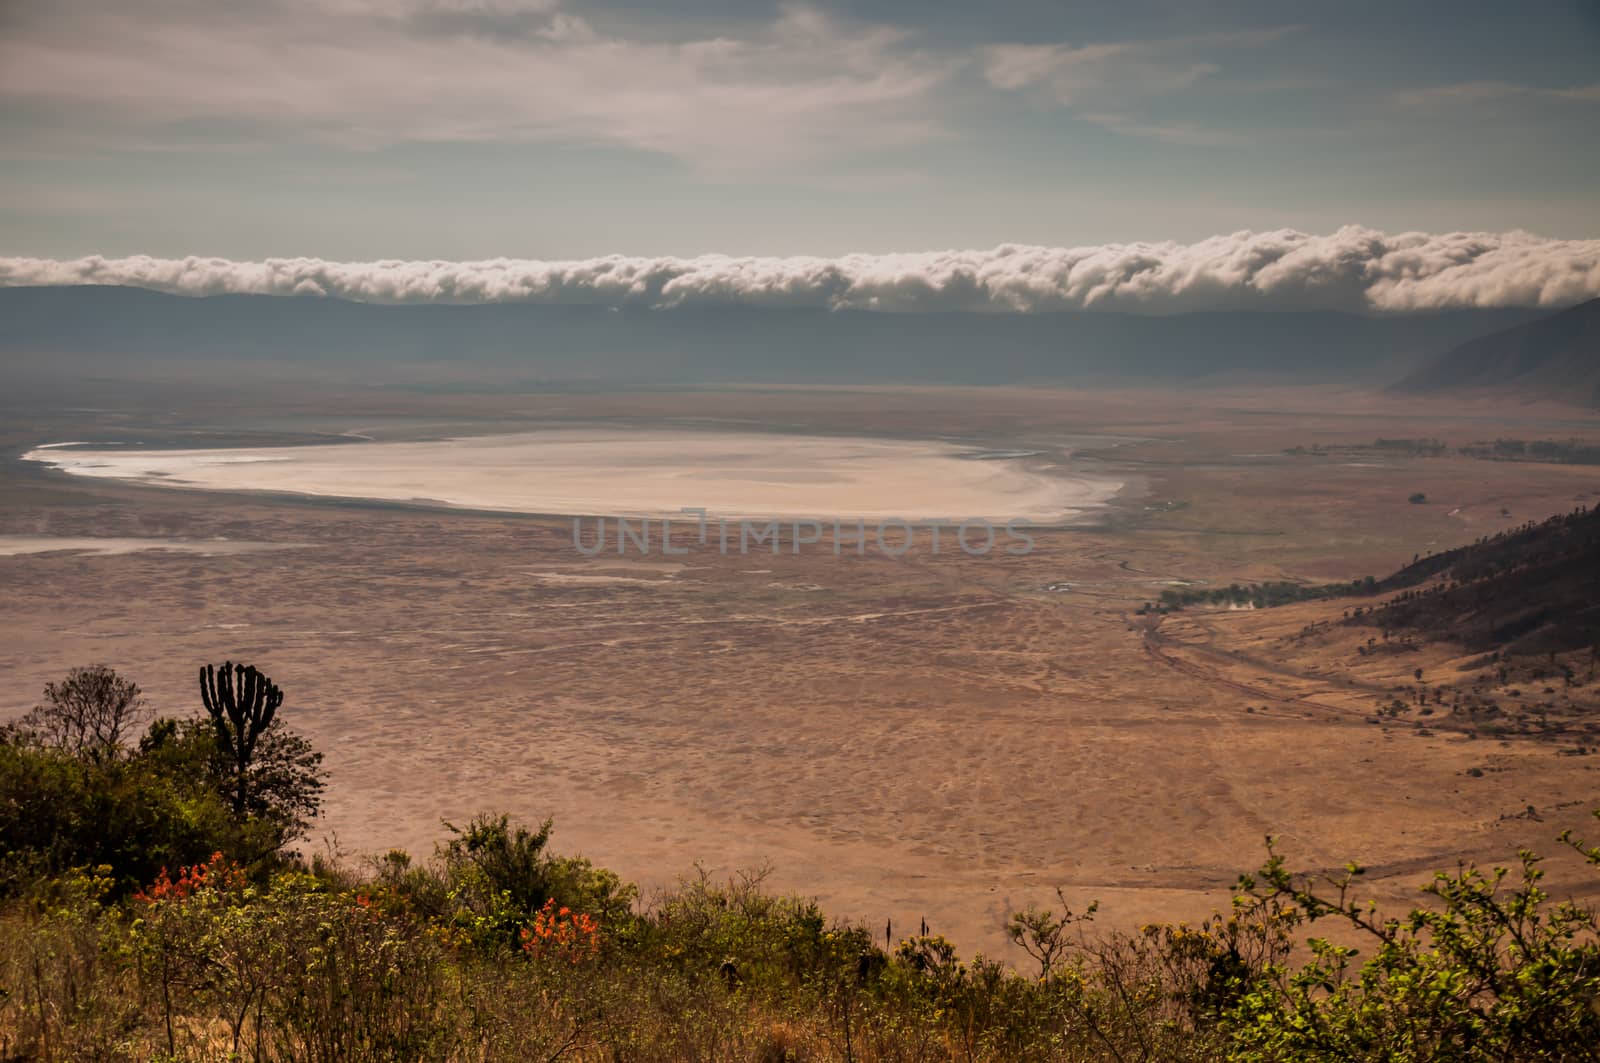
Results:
<point x="89" y="715"/>
<point x="75" y="790"/>
<point x="1492" y="970"/>
<point x="561" y="934"/>
<point x="57" y="813"/>
<point x="205" y="963"/>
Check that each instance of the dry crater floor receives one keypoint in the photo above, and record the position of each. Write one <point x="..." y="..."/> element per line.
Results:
<point x="939" y="737"/>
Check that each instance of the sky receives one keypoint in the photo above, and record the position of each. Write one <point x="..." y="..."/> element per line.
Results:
<point x="353" y="130"/>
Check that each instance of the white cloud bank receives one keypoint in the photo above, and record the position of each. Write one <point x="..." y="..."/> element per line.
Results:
<point x="1351" y="269"/>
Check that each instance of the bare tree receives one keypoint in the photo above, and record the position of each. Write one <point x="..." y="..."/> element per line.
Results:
<point x="89" y="714"/>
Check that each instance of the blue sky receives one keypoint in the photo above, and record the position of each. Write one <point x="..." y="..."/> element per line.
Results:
<point x="359" y="129"/>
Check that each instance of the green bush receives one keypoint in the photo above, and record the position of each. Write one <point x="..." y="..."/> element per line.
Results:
<point x="77" y="791"/>
<point x="58" y="812"/>
<point x="1492" y="969"/>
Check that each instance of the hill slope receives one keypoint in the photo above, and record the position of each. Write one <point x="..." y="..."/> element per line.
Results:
<point x="1533" y="590"/>
<point x="1556" y="357"/>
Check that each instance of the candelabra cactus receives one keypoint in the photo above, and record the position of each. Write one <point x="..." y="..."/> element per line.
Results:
<point x="241" y="702"/>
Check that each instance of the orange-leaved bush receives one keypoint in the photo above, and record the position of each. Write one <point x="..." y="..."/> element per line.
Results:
<point x="561" y="933"/>
<point x="219" y="873"/>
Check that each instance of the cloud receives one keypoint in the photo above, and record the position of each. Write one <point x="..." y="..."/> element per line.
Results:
<point x="1354" y="269"/>
<point x="1103" y="82"/>
<point x="1188" y="133"/>
<point x="1070" y="74"/>
<point x="369" y="73"/>
<point x="1481" y="93"/>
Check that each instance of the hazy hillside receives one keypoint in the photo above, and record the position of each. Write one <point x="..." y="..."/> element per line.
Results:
<point x="130" y="330"/>
<point x="1555" y="357"/>
<point x="1532" y="590"/>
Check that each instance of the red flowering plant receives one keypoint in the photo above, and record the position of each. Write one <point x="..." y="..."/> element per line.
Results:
<point x="378" y="901"/>
<point x="562" y="934"/>
<point x="189" y="926"/>
<point x="219" y="875"/>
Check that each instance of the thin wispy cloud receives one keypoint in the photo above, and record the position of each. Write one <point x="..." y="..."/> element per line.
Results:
<point x="1112" y="83"/>
<point x="1190" y="133"/>
<point x="1477" y="93"/>
<point x="1352" y="269"/>
<point x="367" y="73"/>
<point x="569" y="127"/>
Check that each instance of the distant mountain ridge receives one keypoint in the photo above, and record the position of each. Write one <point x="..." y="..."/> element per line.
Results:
<point x="131" y="328"/>
<point x="1555" y="357"/>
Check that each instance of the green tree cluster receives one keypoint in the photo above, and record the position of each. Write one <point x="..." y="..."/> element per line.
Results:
<point x="81" y="785"/>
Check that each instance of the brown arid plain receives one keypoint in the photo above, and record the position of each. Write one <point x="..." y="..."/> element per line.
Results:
<point x="925" y="737"/>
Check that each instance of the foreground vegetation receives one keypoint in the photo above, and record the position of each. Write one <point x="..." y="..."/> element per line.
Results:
<point x="153" y="911"/>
